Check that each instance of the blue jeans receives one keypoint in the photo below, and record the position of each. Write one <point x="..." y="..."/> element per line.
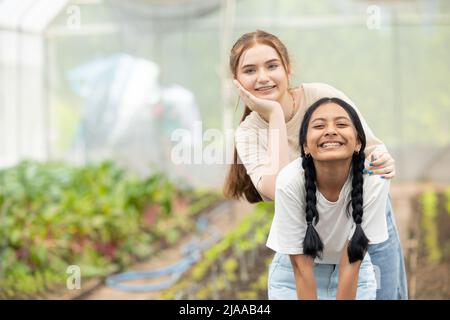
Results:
<point x="386" y="258"/>
<point x="389" y="264"/>
<point x="282" y="280"/>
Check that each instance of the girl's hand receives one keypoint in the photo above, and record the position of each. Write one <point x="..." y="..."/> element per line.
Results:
<point x="382" y="164"/>
<point x="264" y="107"/>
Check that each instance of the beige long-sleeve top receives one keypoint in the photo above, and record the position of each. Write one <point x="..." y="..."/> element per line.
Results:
<point x="251" y="137"/>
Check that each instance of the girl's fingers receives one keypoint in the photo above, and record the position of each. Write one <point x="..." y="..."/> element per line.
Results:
<point x="237" y="84"/>
<point x="366" y="166"/>
<point x="387" y="164"/>
<point x="389" y="175"/>
<point x="241" y="89"/>
<point x="381" y="160"/>
<point x="381" y="171"/>
<point x="245" y="95"/>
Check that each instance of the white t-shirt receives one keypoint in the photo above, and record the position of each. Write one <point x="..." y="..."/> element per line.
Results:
<point x="335" y="227"/>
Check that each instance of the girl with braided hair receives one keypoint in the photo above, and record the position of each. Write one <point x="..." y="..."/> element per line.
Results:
<point x="267" y="140"/>
<point x="327" y="214"/>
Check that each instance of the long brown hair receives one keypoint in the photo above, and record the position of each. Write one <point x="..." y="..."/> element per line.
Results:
<point x="238" y="183"/>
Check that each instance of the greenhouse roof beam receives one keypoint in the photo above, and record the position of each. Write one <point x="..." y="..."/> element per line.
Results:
<point x="29" y="16"/>
<point x="163" y="10"/>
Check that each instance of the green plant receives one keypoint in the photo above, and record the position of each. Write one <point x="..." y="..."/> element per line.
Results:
<point x="222" y="267"/>
<point x="53" y="215"/>
<point x="429" y="202"/>
<point x="447" y="199"/>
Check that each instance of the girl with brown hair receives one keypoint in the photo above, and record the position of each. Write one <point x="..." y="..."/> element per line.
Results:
<point x="267" y="140"/>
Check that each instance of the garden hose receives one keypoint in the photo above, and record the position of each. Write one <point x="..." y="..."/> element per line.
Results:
<point x="191" y="254"/>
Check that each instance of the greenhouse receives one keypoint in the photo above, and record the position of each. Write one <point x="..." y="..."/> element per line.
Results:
<point x="119" y="133"/>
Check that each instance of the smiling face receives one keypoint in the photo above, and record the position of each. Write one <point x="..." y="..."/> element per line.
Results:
<point x="331" y="134"/>
<point x="260" y="71"/>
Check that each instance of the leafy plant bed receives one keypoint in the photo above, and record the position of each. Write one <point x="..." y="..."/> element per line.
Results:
<point x="432" y="229"/>
<point x="236" y="267"/>
<point x="97" y="217"/>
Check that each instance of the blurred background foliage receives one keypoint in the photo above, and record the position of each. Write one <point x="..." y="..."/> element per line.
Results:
<point x="97" y="217"/>
<point x="396" y="71"/>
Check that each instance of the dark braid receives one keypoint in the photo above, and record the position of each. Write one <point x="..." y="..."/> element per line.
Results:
<point x="358" y="244"/>
<point x="312" y="244"/>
